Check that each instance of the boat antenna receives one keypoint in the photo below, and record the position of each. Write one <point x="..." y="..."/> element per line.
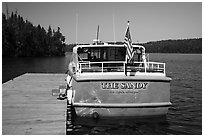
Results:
<point x="114" y="27"/>
<point x="97" y="40"/>
<point x="76" y="27"/>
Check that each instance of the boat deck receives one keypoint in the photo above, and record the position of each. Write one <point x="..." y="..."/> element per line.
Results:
<point x="28" y="106"/>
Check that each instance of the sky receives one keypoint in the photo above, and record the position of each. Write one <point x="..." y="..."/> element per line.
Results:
<point x="78" y="21"/>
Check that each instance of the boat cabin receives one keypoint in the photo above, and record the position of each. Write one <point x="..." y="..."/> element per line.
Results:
<point x="110" y="58"/>
<point x="104" y="54"/>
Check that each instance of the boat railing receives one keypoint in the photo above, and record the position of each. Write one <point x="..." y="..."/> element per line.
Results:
<point x="121" y="67"/>
<point x="87" y="66"/>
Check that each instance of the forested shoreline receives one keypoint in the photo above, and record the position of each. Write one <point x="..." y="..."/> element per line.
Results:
<point x="175" y="46"/>
<point x="20" y="38"/>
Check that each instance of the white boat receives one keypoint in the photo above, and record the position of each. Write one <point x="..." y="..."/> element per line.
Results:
<point x="104" y="81"/>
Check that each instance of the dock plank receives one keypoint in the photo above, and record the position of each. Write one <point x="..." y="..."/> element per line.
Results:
<point x="28" y="106"/>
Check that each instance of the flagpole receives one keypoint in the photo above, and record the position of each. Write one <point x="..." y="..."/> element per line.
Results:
<point x="97" y="40"/>
<point x="114" y="28"/>
<point x="128" y="23"/>
<point x="76" y="27"/>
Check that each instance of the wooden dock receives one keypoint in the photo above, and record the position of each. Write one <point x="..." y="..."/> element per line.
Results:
<point x="28" y="106"/>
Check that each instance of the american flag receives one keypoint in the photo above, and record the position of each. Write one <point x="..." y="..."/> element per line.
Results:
<point x="128" y="44"/>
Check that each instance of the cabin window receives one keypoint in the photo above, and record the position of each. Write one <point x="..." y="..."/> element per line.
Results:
<point x="101" y="54"/>
<point x="95" y="54"/>
<point x="137" y="54"/>
<point x="84" y="56"/>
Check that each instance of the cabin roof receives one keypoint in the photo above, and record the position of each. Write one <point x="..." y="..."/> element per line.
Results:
<point x="105" y="45"/>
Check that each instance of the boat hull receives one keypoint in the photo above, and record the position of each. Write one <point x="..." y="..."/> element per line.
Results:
<point x="113" y="96"/>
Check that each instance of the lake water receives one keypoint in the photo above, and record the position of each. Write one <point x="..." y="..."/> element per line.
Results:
<point x="184" y="117"/>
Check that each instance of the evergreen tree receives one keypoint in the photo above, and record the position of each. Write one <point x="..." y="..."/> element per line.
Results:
<point x="21" y="38"/>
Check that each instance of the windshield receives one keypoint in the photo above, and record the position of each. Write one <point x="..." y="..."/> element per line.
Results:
<point x="101" y="54"/>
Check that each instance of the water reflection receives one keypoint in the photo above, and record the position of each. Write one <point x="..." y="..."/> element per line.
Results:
<point x="120" y="126"/>
<point x="13" y="67"/>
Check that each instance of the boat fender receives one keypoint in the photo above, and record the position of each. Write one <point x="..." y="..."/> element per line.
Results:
<point x="69" y="81"/>
<point x="69" y="96"/>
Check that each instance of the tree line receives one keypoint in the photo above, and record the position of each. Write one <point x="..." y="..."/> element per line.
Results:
<point x="165" y="46"/>
<point x="175" y="46"/>
<point x="20" y="38"/>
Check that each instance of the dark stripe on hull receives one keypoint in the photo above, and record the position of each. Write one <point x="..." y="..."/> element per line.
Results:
<point x="114" y="105"/>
